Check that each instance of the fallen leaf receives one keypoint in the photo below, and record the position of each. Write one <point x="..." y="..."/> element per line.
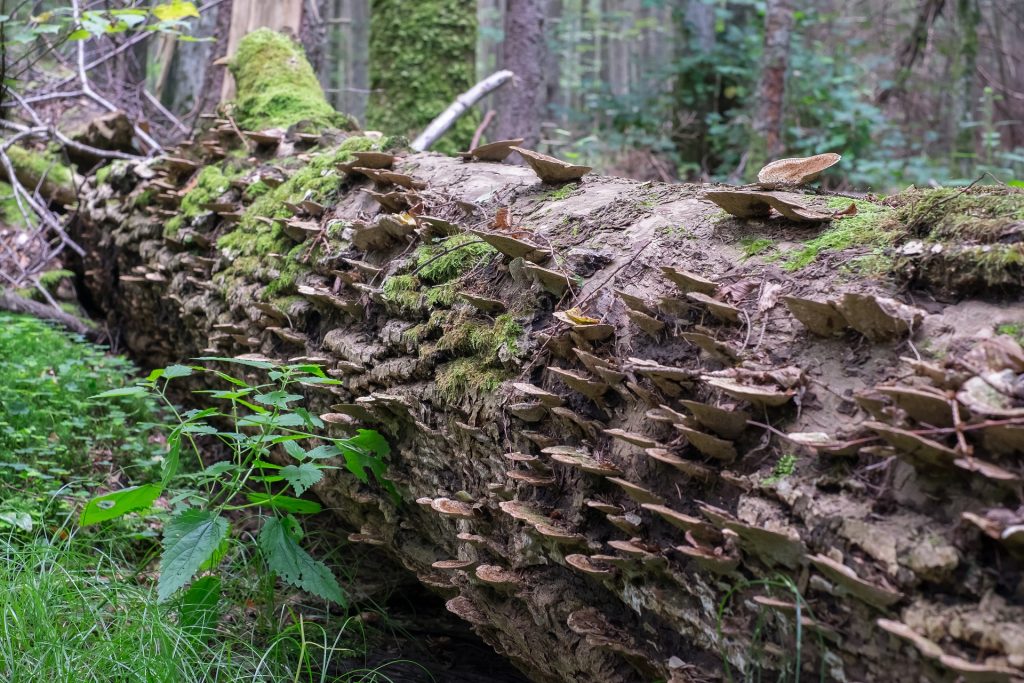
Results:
<point x="578" y="317"/>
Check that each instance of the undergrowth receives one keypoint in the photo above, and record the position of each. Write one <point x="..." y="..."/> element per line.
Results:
<point x="81" y="603"/>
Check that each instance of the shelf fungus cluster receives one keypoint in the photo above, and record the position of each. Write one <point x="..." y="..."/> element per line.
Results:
<point x="618" y="459"/>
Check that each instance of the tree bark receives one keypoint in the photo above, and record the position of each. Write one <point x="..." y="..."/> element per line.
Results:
<point x="771" y="90"/>
<point x="524" y="52"/>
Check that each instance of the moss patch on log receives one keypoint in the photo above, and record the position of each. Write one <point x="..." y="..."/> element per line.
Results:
<point x="277" y="87"/>
<point x="421" y="58"/>
<point x="211" y="183"/>
<point x="868" y="228"/>
<point x="971" y="241"/>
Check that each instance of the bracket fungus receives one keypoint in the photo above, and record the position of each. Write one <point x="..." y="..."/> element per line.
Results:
<point x="687" y="467"/>
<point x="498" y="577"/>
<point x="552" y="281"/>
<point x="795" y="172"/>
<point x="879" y="318"/>
<point x="719" y="309"/>
<point x="637" y="492"/>
<point x="588" y="565"/>
<point x="726" y="422"/>
<point x="846" y="579"/>
<point x="551" y="170"/>
<point x="589" y="388"/>
<point x="632" y="438"/>
<point x="453" y="508"/>
<point x="548" y="398"/>
<point x="513" y="247"/>
<point x="690" y="282"/>
<point x="495" y="151"/>
<point x="708" y="445"/>
<point x="749" y="204"/>
<point x="822" y="318"/>
<point x="575" y="457"/>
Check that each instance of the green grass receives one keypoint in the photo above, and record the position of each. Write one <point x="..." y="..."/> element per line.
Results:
<point x="79" y="609"/>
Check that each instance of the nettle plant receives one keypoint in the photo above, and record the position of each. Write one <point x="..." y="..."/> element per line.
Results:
<point x="253" y="422"/>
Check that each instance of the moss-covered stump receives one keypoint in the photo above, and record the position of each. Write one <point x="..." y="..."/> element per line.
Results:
<point x="648" y="441"/>
<point x="277" y="87"/>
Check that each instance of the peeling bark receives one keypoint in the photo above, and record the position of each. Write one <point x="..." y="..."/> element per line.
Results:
<point x="648" y="442"/>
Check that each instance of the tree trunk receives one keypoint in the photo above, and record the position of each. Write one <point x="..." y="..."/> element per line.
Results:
<point x="771" y="90"/>
<point x="520" y="105"/>
<point x="422" y="55"/>
<point x="660" y="454"/>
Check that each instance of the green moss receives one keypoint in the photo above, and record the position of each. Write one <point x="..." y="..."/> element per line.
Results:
<point x="103" y="173"/>
<point x="277" y="87"/>
<point x="752" y="246"/>
<point x="39" y="164"/>
<point x="257" y="189"/>
<point x="402" y="291"/>
<point x="964" y="234"/>
<point x="560" y="193"/>
<point x="465" y="376"/>
<point x="870" y="227"/>
<point x="486" y="341"/>
<point x="442" y="295"/>
<point x="449" y="258"/>
<point x="144" y="198"/>
<point x="316" y="179"/>
<point x="211" y="183"/>
<point x="1015" y="330"/>
<point x="10" y="215"/>
<point x="51" y="278"/>
<point x="422" y="56"/>
<point x="980" y="214"/>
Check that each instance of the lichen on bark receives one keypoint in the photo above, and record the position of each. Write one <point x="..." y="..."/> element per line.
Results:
<point x="421" y="59"/>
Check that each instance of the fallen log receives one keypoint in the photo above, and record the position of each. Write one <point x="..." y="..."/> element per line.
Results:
<point x="635" y="438"/>
<point x="651" y="454"/>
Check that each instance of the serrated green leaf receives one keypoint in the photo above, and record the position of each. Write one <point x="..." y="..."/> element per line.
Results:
<point x="199" y="610"/>
<point x="277" y="399"/>
<point x="286" y="420"/>
<point x="321" y="452"/>
<point x="113" y="505"/>
<point x="285" y="503"/>
<point x="123" y="391"/>
<point x="172" y="371"/>
<point x="219" y="468"/>
<point x="294" y="565"/>
<point x="302" y="477"/>
<point x="190" y="538"/>
<point x="295" y="450"/>
<point x="172" y="461"/>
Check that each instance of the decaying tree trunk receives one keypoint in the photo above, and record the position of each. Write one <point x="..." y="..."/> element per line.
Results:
<point x="657" y="484"/>
<point x="903" y="552"/>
